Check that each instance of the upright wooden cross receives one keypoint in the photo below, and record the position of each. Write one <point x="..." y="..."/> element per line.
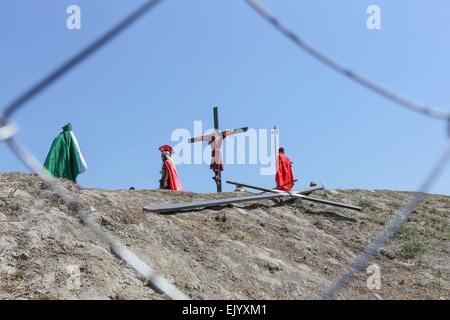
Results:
<point x="215" y="140"/>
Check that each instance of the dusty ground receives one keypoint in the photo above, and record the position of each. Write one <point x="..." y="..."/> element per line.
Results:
<point x="247" y="251"/>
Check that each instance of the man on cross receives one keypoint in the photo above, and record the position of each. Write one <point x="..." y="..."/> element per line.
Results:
<point x="215" y="142"/>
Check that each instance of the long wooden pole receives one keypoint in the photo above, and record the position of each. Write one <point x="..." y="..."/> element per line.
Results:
<point x="295" y="194"/>
<point x="217" y="175"/>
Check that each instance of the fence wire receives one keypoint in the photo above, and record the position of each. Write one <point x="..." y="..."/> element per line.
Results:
<point x="322" y="57"/>
<point x="78" y="58"/>
<point x="8" y="131"/>
<point x="158" y="283"/>
<point x="360" y="263"/>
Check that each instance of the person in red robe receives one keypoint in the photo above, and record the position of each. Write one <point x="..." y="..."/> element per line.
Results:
<point x="169" y="179"/>
<point x="284" y="177"/>
<point x="216" y="155"/>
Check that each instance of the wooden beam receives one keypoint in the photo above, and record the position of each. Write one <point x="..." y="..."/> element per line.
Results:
<point x="216" y="118"/>
<point x="309" y="190"/>
<point x="328" y="202"/>
<point x="219" y="202"/>
<point x="302" y="196"/>
<point x="227" y="133"/>
<point x="209" y="203"/>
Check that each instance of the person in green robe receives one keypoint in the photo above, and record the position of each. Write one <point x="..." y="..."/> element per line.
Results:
<point x="65" y="159"/>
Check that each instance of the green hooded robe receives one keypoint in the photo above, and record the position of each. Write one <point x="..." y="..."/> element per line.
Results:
<point x="63" y="159"/>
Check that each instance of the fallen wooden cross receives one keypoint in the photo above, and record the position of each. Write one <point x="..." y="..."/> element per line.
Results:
<point x="299" y="195"/>
<point x="220" y="202"/>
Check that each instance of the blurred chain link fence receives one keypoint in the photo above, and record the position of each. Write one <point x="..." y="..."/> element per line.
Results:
<point x="361" y="262"/>
<point x="8" y="133"/>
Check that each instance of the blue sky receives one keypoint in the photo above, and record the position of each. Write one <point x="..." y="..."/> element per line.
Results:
<point x="182" y="58"/>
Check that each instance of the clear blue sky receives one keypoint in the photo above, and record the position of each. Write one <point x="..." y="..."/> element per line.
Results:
<point x="182" y="58"/>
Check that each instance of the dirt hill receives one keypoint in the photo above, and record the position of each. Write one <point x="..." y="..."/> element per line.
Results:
<point x="265" y="250"/>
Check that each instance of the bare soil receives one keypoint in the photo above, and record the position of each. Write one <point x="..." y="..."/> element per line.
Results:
<point x="267" y="250"/>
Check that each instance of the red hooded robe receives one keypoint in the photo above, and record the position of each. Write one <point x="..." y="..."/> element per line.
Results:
<point x="174" y="181"/>
<point x="284" y="177"/>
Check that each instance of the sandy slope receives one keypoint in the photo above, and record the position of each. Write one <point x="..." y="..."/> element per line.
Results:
<point x="265" y="250"/>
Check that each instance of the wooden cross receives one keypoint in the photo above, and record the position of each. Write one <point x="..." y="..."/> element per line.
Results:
<point x="215" y="139"/>
<point x="268" y="194"/>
